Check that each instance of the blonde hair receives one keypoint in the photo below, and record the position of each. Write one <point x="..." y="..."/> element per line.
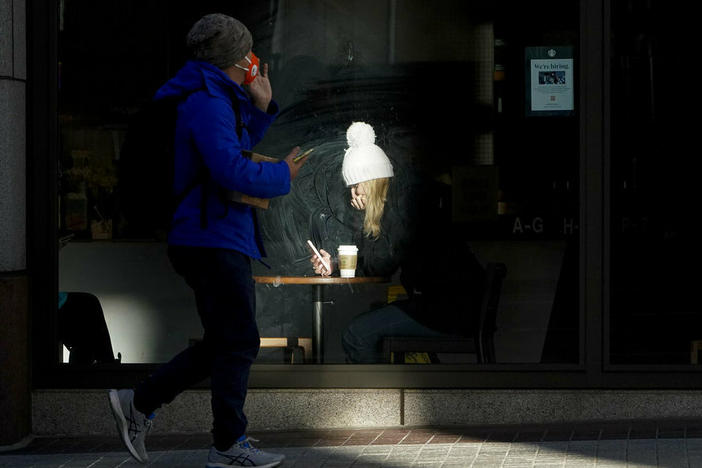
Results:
<point x="376" y="192"/>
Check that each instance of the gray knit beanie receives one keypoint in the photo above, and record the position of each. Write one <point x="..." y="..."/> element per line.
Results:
<point x="219" y="39"/>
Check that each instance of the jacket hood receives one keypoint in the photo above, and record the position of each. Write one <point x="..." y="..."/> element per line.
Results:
<point x="196" y="76"/>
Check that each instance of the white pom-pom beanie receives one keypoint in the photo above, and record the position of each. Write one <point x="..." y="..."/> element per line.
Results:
<point x="363" y="160"/>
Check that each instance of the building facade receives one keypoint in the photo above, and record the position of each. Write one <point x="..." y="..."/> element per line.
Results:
<point x="545" y="128"/>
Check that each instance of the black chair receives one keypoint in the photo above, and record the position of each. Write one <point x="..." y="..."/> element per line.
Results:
<point x="482" y="343"/>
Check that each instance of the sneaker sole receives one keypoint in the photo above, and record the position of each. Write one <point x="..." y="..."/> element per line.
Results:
<point x="121" y="423"/>
<point x="224" y="465"/>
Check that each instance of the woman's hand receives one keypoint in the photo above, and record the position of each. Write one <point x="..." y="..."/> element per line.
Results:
<point x="358" y="197"/>
<point x="319" y="268"/>
<point x="260" y="89"/>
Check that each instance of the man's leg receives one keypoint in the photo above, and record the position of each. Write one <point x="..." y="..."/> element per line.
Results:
<point x="232" y="334"/>
<point x="133" y="409"/>
<point x="225" y="296"/>
<point x="193" y="364"/>
<point x="189" y="367"/>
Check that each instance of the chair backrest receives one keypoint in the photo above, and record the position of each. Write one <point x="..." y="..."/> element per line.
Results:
<point x="494" y="275"/>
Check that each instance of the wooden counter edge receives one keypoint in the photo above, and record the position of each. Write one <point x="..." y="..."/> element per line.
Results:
<point x="319" y="279"/>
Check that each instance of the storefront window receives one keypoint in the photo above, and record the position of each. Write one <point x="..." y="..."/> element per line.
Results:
<point x="653" y="318"/>
<point x="474" y="103"/>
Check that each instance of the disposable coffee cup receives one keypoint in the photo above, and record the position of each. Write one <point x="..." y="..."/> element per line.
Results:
<point x="348" y="257"/>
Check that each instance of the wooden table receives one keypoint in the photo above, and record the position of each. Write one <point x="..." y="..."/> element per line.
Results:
<point x="318" y="282"/>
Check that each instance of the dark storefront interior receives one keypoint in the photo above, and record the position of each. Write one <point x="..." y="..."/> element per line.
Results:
<point x="448" y="87"/>
<point x="653" y="316"/>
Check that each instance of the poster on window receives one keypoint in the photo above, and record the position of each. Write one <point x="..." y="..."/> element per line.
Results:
<point x="550" y="81"/>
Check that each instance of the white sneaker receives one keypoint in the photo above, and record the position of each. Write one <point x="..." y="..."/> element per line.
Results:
<point x="243" y="454"/>
<point x="132" y="425"/>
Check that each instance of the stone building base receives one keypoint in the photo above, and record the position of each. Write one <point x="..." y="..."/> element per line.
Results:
<point x="75" y="412"/>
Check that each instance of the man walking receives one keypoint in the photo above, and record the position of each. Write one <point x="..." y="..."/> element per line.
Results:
<point x="212" y="240"/>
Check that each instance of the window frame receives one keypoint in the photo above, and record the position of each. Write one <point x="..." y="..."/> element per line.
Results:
<point x="592" y="371"/>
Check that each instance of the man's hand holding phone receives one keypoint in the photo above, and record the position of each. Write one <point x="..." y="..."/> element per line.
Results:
<point x="294" y="164"/>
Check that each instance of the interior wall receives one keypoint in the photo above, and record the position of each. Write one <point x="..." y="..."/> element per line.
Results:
<point x="148" y="308"/>
<point x="151" y="315"/>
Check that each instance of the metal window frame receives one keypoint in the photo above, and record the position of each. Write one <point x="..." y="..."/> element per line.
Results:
<point x="592" y="370"/>
<point x="42" y="184"/>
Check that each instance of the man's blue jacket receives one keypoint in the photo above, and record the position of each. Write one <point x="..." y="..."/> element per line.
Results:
<point x="206" y="135"/>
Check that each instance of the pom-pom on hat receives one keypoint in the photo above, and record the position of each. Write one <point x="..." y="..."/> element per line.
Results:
<point x="363" y="159"/>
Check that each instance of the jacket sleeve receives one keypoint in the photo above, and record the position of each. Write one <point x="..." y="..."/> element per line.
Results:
<point x="213" y="129"/>
<point x="260" y="121"/>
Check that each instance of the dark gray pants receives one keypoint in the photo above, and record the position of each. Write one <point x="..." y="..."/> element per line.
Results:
<point x="225" y="296"/>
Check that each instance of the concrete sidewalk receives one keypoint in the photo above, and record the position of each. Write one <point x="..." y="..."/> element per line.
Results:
<point x="669" y="444"/>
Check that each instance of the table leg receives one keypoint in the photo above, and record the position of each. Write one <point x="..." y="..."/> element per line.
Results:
<point x="318" y="325"/>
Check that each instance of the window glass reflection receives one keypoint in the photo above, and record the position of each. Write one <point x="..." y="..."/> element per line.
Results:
<point x="653" y="318"/>
<point x="479" y="218"/>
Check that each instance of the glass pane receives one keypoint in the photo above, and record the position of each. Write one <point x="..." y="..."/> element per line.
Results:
<point x="653" y="317"/>
<point x="473" y="103"/>
<point x="113" y="56"/>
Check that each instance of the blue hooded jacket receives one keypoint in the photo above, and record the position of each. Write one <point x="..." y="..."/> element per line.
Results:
<point x="206" y="134"/>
